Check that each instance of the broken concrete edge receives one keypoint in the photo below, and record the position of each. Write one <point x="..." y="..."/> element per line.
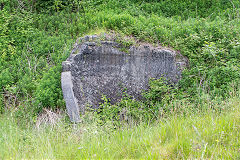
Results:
<point x="110" y="39"/>
<point x="70" y="99"/>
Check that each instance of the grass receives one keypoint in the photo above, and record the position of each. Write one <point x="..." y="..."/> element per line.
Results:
<point x="205" y="135"/>
<point x="33" y="45"/>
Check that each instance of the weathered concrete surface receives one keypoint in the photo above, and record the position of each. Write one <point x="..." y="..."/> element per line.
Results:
<point x="101" y="68"/>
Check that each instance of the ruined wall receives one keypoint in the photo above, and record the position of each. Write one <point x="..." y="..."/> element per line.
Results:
<point x="101" y="68"/>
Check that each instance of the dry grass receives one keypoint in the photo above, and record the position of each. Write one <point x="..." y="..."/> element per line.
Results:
<point x="49" y="118"/>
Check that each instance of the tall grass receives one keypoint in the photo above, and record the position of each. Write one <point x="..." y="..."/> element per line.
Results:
<point x="207" y="135"/>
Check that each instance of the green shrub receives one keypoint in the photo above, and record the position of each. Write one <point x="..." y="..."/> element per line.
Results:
<point x="5" y="78"/>
<point x="127" y="111"/>
<point x="48" y="92"/>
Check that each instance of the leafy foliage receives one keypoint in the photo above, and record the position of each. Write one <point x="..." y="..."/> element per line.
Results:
<point x="48" y="92"/>
<point x="36" y="36"/>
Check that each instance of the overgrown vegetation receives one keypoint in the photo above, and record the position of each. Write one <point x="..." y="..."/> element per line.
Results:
<point x="36" y="36"/>
<point x="201" y="135"/>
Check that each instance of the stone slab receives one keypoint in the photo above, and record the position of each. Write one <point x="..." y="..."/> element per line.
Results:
<point x="71" y="102"/>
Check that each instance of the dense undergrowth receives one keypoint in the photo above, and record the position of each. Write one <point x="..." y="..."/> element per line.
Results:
<point x="37" y="36"/>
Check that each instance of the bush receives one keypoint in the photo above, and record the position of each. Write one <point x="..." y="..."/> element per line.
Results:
<point x="48" y="92"/>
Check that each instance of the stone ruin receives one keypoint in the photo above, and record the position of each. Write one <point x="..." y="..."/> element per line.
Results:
<point x="101" y="66"/>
